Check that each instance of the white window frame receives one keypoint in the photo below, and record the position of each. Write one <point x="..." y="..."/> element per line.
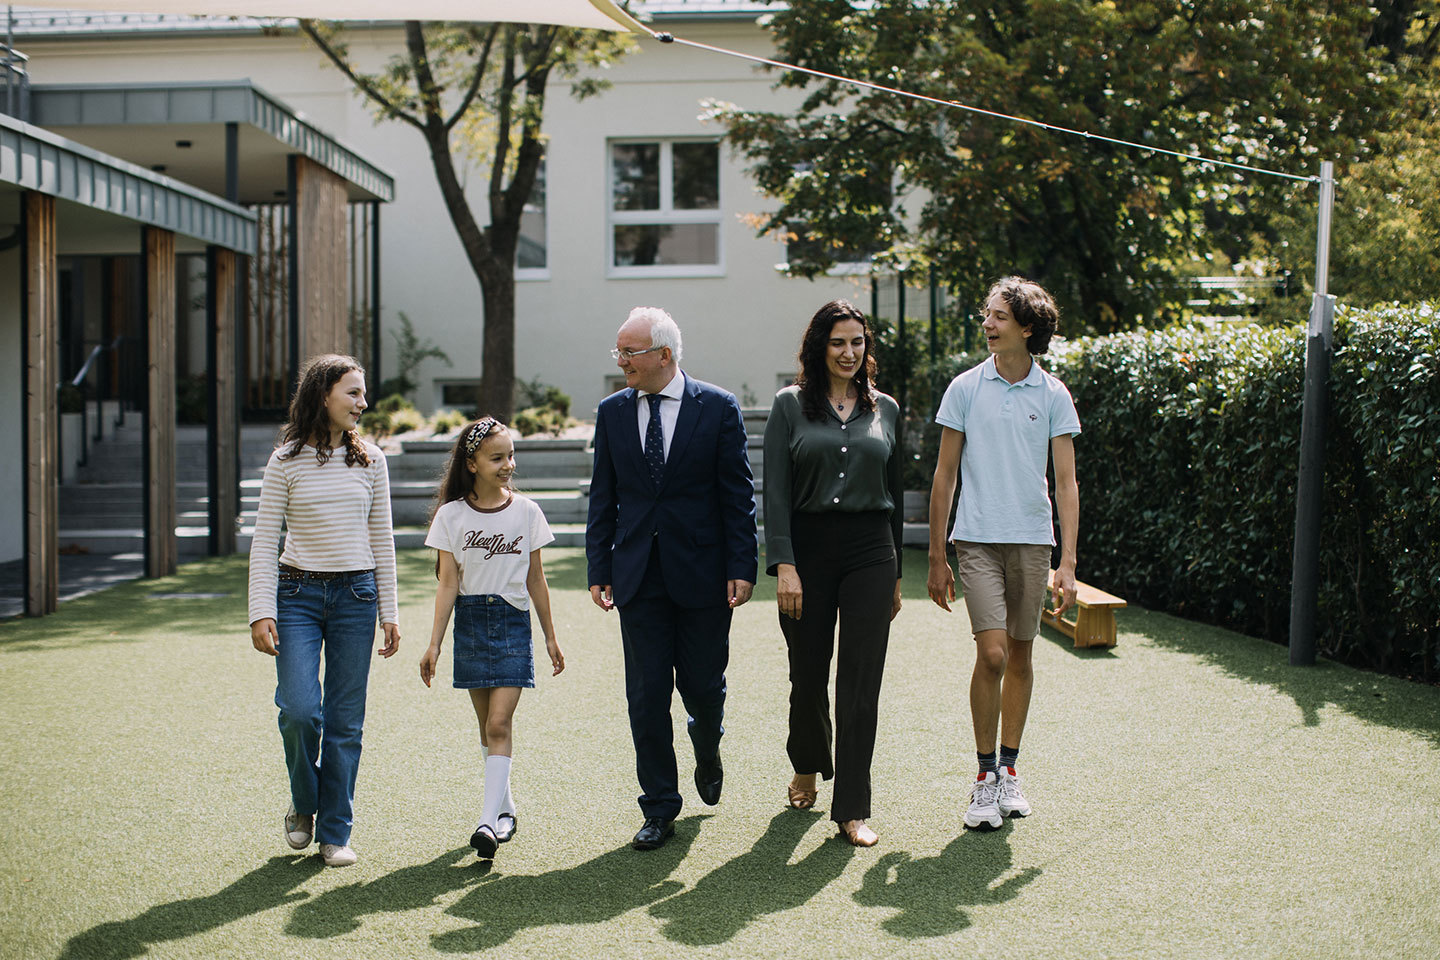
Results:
<point x="667" y="215"/>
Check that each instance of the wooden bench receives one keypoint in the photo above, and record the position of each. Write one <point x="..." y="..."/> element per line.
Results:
<point x="1094" y="623"/>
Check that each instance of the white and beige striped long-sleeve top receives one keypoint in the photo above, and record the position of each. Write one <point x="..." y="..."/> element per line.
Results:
<point x="336" y="518"/>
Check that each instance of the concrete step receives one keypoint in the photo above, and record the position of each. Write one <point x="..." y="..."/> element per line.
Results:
<point x="191" y="541"/>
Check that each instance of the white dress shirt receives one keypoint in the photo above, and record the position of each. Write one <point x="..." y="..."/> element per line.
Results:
<point x="669" y="409"/>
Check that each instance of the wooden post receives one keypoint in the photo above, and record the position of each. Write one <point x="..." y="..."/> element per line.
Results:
<point x="159" y="447"/>
<point x="320" y="270"/>
<point x="222" y="427"/>
<point x="40" y="338"/>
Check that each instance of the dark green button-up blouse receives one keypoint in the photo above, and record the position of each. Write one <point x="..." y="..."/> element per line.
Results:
<point x="826" y="465"/>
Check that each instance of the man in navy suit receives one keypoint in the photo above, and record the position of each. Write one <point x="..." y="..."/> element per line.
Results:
<point x="671" y="542"/>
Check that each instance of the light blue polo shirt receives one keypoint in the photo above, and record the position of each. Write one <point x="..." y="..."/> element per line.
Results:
<point x="1008" y="427"/>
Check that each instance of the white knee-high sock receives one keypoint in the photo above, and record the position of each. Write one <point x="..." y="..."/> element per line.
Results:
<point x="497" y="788"/>
<point x="507" y="805"/>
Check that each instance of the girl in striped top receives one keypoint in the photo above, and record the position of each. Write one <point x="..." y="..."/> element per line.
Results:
<point x="321" y="595"/>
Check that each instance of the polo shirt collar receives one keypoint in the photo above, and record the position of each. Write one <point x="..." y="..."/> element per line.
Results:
<point x="1034" y="378"/>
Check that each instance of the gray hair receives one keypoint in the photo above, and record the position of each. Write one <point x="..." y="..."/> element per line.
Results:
<point x="664" y="332"/>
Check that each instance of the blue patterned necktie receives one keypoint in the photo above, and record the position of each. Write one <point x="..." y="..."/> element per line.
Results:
<point x="655" y="440"/>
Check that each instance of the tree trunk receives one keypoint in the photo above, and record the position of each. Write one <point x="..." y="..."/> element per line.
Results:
<point x="497" y="384"/>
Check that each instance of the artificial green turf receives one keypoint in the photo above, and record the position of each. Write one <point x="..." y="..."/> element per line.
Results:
<point x="1194" y="797"/>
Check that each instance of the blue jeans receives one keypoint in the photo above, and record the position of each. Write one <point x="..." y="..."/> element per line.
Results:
<point x="321" y="727"/>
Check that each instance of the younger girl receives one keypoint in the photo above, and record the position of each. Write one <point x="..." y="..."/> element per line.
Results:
<point x="489" y="568"/>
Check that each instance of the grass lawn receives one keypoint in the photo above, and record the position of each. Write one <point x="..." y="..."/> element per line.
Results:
<point x="1194" y="797"/>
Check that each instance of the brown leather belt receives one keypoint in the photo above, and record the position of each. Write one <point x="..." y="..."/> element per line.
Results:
<point x="288" y="572"/>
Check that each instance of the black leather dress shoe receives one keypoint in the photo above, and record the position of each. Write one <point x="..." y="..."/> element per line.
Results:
<point x="654" y="834"/>
<point x="709" y="778"/>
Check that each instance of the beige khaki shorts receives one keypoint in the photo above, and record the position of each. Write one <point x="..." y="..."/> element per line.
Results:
<point x="1005" y="585"/>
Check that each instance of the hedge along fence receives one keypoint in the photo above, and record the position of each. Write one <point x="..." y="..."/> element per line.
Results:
<point x="1188" y="464"/>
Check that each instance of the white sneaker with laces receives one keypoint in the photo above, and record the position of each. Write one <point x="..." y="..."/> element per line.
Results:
<point x="298" y="830"/>
<point x="1012" y="802"/>
<point x="336" y="855"/>
<point x="984" y="803"/>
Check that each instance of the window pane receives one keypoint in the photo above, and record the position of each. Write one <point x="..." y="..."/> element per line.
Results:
<point x="531" y="252"/>
<point x="637" y="176"/>
<point x="462" y="395"/>
<point x="697" y="176"/>
<point x="653" y="245"/>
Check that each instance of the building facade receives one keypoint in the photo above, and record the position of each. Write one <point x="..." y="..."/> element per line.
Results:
<point x="642" y="202"/>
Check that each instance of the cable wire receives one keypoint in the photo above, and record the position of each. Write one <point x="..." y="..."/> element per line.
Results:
<point x="670" y="38"/>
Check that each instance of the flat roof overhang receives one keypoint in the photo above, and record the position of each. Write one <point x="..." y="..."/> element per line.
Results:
<point x="147" y="123"/>
<point x="105" y="198"/>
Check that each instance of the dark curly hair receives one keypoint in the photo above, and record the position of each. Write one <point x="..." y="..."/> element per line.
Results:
<point x="310" y="422"/>
<point x="813" y="378"/>
<point x="1032" y="306"/>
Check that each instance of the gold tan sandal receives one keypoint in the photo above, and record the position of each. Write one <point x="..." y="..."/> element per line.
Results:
<point x="858" y="834"/>
<point x="800" y="798"/>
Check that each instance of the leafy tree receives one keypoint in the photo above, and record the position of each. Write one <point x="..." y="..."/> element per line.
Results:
<point x="1385" y="232"/>
<point x="476" y="93"/>
<point x="1279" y="84"/>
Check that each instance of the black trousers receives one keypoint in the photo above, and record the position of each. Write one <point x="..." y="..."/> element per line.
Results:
<point x="669" y="647"/>
<point x="846" y="564"/>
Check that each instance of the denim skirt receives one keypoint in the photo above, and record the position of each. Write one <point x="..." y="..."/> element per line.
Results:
<point x="493" y="645"/>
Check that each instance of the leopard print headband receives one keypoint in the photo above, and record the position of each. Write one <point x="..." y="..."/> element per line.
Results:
<point x="477" y="434"/>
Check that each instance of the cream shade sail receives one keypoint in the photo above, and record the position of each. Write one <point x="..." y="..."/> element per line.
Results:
<point x="597" y="14"/>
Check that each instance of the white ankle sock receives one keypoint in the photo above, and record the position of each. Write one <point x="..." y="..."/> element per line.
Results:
<point x="497" y="788"/>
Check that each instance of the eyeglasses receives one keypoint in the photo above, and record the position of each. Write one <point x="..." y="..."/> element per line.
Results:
<point x="627" y="355"/>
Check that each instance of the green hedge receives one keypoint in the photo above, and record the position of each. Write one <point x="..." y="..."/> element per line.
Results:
<point x="1188" y="465"/>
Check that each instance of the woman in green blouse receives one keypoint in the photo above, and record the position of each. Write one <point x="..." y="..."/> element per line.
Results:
<point x="832" y="536"/>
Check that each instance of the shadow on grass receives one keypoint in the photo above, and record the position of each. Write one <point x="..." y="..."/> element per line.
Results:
<point x="753" y="884"/>
<point x="1372" y="697"/>
<point x="338" y="911"/>
<point x="592" y="892"/>
<point x="931" y="893"/>
<point x="126" y="612"/>
<point x="271" y="885"/>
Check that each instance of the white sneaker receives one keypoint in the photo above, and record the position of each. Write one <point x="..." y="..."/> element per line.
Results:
<point x="1012" y="802"/>
<point x="984" y="806"/>
<point x="298" y="830"/>
<point x="337" y="856"/>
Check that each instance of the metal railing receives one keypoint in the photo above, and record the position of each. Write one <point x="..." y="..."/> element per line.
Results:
<point x="17" y="78"/>
<point x="81" y="383"/>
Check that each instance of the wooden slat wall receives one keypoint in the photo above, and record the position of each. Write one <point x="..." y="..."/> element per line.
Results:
<point x="320" y="203"/>
<point x="41" y="416"/>
<point x="223" y="423"/>
<point x="160" y="546"/>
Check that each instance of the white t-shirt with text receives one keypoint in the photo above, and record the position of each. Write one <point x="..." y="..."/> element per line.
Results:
<point x="492" y="547"/>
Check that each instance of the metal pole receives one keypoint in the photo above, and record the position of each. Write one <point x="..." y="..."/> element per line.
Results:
<point x="1310" y="485"/>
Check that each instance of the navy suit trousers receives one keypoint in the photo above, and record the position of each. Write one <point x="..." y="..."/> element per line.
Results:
<point x="670" y="647"/>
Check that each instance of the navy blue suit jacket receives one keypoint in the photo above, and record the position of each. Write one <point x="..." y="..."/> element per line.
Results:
<point x="702" y="515"/>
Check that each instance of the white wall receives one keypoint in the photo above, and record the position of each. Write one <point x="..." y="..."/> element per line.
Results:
<point x="12" y="451"/>
<point x="741" y="329"/>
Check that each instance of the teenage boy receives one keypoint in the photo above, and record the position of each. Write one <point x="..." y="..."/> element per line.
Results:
<point x="1000" y="421"/>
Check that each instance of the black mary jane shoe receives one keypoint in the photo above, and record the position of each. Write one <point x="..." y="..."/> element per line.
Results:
<point x="654" y="833"/>
<point x="503" y="833"/>
<point x="484" y="842"/>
